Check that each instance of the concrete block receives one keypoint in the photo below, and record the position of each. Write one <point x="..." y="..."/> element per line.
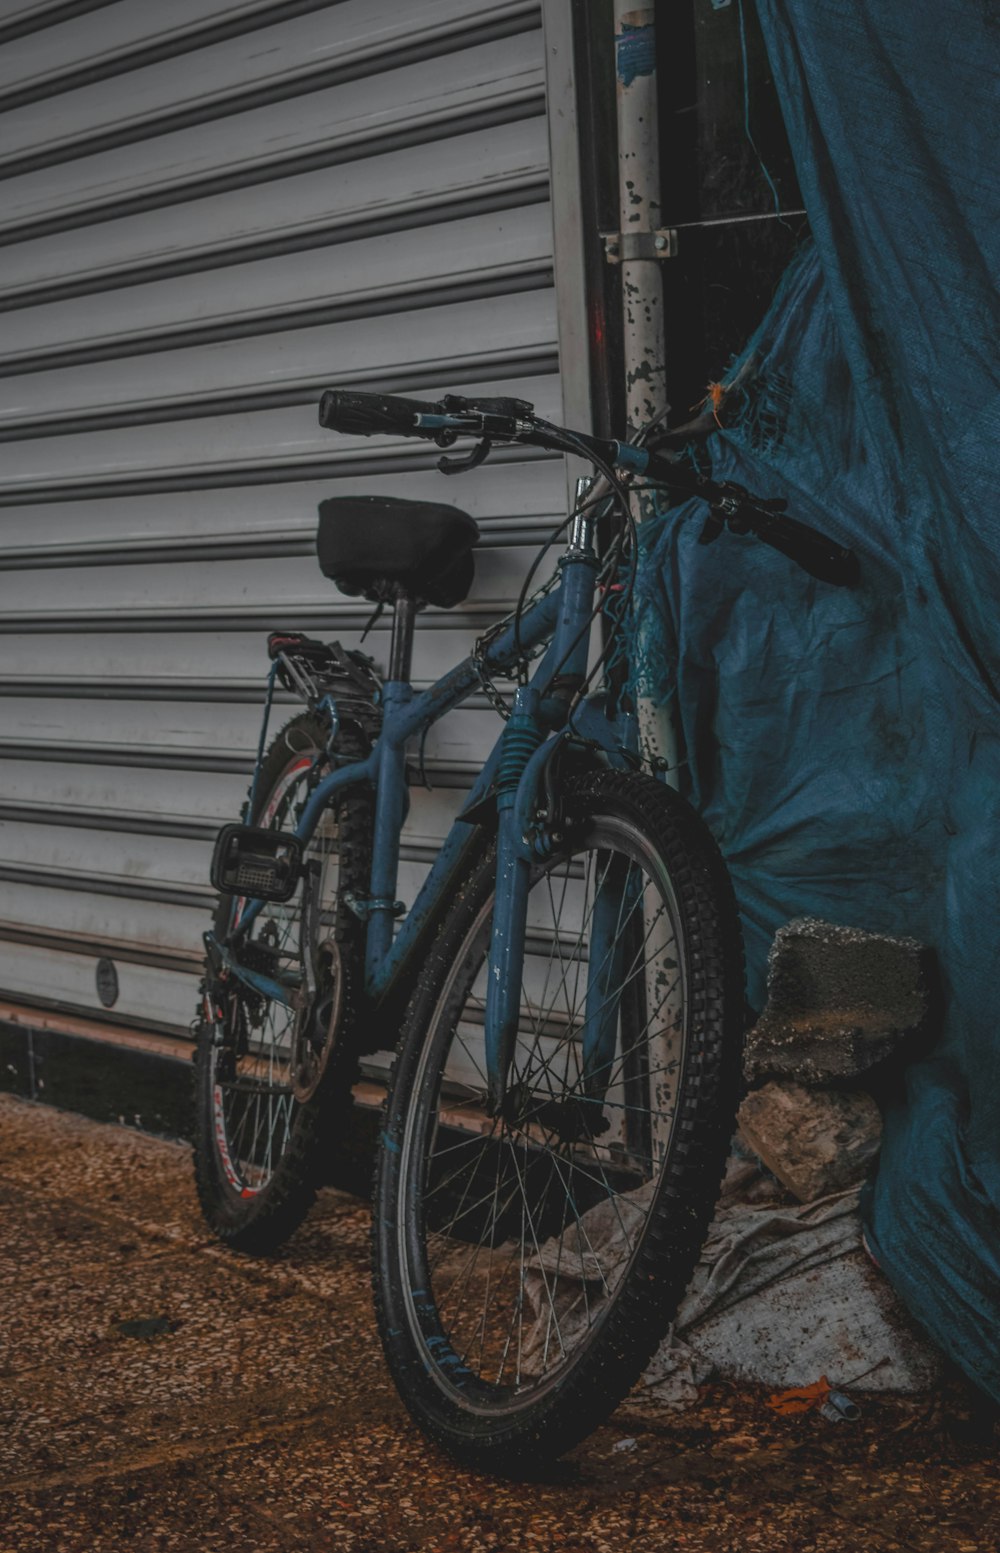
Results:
<point x="815" y="1141"/>
<point x="839" y="1002"/>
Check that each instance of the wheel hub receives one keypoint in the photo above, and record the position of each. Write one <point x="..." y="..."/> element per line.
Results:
<point x="573" y="1120"/>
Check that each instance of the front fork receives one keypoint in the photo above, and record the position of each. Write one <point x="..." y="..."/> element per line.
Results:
<point x="521" y="737"/>
<point x="608" y="946"/>
<point x="522" y="764"/>
<point x="609" y="911"/>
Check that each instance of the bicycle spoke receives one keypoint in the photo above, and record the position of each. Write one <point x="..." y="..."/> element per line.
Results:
<point x="531" y="1222"/>
<point x="470" y="1267"/>
<point x="258" y="1125"/>
<point x="583" y="928"/>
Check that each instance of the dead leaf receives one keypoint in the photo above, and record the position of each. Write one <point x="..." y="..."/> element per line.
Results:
<point x="800" y="1399"/>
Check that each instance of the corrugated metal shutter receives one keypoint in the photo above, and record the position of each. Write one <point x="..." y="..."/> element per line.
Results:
<point x="211" y="211"/>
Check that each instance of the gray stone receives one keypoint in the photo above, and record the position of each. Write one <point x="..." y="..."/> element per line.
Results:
<point x="815" y="1141"/>
<point x="839" y="1002"/>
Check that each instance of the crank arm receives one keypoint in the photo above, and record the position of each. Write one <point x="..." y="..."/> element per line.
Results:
<point x="287" y="991"/>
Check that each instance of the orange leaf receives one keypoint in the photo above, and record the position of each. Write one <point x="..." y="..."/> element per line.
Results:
<point x="800" y="1399"/>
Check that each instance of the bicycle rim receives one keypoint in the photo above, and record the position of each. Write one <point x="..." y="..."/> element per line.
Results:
<point x="519" y="1232"/>
<point x="253" y="1101"/>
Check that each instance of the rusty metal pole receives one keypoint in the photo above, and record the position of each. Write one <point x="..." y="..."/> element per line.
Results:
<point x="640" y="247"/>
<point x="639" y="205"/>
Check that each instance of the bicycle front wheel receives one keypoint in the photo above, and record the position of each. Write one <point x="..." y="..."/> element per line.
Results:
<point x="527" y="1264"/>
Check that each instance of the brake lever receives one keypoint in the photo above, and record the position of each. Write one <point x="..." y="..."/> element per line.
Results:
<point x="725" y="510"/>
<point x="734" y="507"/>
<point x="460" y="466"/>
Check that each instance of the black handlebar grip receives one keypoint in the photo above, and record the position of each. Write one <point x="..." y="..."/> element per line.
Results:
<point x="365" y="415"/>
<point x="816" y="553"/>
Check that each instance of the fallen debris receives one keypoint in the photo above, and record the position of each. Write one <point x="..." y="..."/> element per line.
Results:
<point x="815" y="1141"/>
<point x="838" y="1409"/>
<point x="800" y="1399"/>
<point x="839" y="1003"/>
<point x="785" y="1293"/>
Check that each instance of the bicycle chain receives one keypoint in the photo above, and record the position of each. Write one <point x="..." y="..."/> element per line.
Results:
<point x="489" y="687"/>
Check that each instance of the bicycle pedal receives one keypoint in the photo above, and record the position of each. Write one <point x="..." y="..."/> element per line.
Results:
<point x="262" y="864"/>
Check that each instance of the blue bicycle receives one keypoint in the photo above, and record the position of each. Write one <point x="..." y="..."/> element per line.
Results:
<point x="565" y="995"/>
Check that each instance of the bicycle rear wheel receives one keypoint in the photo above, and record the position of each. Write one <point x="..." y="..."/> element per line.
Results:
<point x="527" y="1265"/>
<point x="273" y="1084"/>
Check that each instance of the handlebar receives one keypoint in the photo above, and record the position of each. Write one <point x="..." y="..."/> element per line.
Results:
<point x="732" y="506"/>
<point x="364" y="415"/>
<point x="514" y="420"/>
<point x="816" y="553"/>
<point x="441" y="420"/>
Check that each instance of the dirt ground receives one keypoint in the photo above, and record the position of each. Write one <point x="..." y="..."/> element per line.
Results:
<point x="244" y="1405"/>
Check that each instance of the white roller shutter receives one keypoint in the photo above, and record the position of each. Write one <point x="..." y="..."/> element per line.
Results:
<point x="211" y="211"/>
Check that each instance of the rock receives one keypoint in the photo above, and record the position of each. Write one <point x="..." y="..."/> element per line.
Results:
<point x="815" y="1142"/>
<point x="839" y="1002"/>
<point x="746" y="1180"/>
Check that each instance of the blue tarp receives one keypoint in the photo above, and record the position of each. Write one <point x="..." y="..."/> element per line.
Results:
<point x="845" y="747"/>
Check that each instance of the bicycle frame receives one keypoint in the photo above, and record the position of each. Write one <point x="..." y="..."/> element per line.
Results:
<point x="513" y="771"/>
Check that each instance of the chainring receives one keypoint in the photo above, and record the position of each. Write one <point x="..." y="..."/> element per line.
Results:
<point x="318" y="1025"/>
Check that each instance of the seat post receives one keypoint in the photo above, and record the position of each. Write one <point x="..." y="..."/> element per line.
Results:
<point x="401" y="648"/>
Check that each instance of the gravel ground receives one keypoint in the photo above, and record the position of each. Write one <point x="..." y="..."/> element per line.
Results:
<point x="244" y="1404"/>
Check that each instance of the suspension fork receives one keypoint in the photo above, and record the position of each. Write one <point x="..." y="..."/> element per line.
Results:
<point x="531" y="719"/>
<point x="610" y="929"/>
<point x="521" y="738"/>
<point x="612" y="945"/>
